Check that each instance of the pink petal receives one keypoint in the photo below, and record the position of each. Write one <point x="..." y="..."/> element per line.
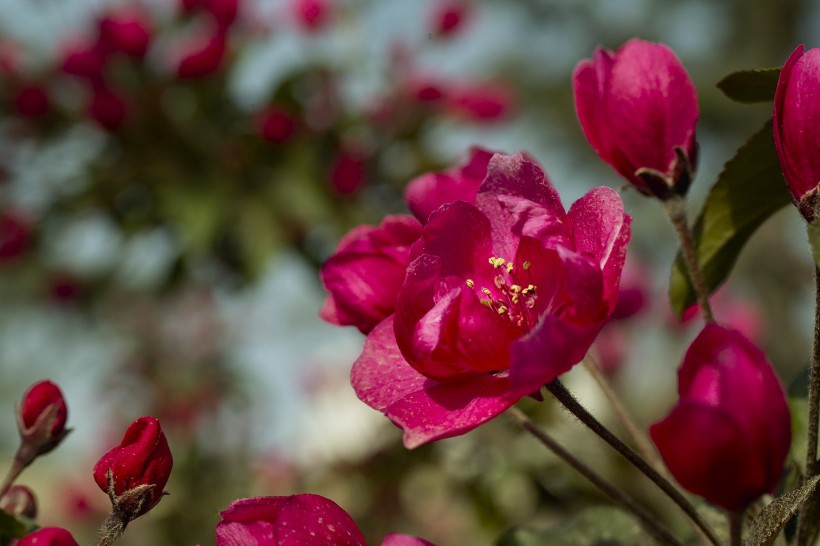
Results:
<point x="590" y="84"/>
<point x="404" y="540"/>
<point x="793" y="177"/>
<point x="286" y="521"/>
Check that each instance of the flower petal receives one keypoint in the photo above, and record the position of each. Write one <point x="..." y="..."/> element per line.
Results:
<point x="404" y="540"/>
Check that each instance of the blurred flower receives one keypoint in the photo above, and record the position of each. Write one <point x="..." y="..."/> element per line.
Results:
<point x="742" y="315"/>
<point x="107" y="107"/>
<point x="449" y="17"/>
<point x="347" y="171"/>
<point x="365" y="273"/>
<point x="312" y="14"/>
<point x="728" y="436"/>
<point x="294" y="521"/>
<point x="204" y="56"/>
<point x="32" y="101"/>
<point x="63" y="287"/>
<point x="126" y="31"/>
<point x="796" y="134"/>
<point x="636" y="107"/>
<point x="429" y="191"/>
<point x="224" y="12"/>
<point x="15" y="233"/>
<point x="480" y="102"/>
<point x="634" y="290"/>
<point x="134" y="473"/>
<point x="501" y="298"/>
<point x="276" y="124"/>
<point x="84" y="60"/>
<point x="48" y="536"/>
<point x="19" y="500"/>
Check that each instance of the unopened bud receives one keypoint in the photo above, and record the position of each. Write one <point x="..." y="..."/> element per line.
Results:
<point x="41" y="420"/>
<point x="48" y="536"/>
<point x="19" y="500"/>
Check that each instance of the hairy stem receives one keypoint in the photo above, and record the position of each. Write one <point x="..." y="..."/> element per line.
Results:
<point x="570" y="403"/>
<point x="647" y="520"/>
<point x="676" y="211"/>
<point x="112" y="529"/>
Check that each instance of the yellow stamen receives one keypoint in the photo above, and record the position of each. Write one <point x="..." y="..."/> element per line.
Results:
<point x="471" y="283"/>
<point x="526" y="265"/>
<point x="509" y="267"/>
<point x="501" y="309"/>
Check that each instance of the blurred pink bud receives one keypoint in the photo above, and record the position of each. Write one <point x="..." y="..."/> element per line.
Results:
<point x="15" y="233"/>
<point x="48" y="536"/>
<point x="449" y="17"/>
<point x="204" y="57"/>
<point x="312" y="14"/>
<point x="481" y="102"/>
<point x="634" y="291"/>
<point x="347" y="172"/>
<point x="276" y="124"/>
<point x="427" y="91"/>
<point x="224" y="12"/>
<point x="126" y="31"/>
<point x="611" y="348"/>
<point x="19" y="500"/>
<point x="107" y="108"/>
<point x="64" y="287"/>
<point x="41" y="419"/>
<point x="728" y="436"/>
<point x="84" y="61"/>
<point x="134" y="473"/>
<point x="638" y="110"/>
<point x="796" y="135"/>
<point x="32" y="101"/>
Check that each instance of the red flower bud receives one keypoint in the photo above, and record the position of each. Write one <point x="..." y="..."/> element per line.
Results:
<point x="41" y="419"/>
<point x="276" y="125"/>
<point x="19" y="500"/>
<point x="32" y="101"/>
<point x="48" y="536"/>
<point x="728" y="436"/>
<point x="347" y="172"/>
<point x="135" y="472"/>
<point x="312" y="14"/>
<point x="638" y="110"/>
<point x="107" y="108"/>
<point x="223" y="11"/>
<point x="85" y="61"/>
<point x="126" y="32"/>
<point x="204" y="57"/>
<point x="449" y="18"/>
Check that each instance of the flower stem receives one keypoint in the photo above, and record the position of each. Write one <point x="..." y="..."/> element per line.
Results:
<point x="623" y="416"/>
<point x="735" y="528"/>
<point x="647" y="520"/>
<point x="676" y="211"/>
<point x="112" y="529"/>
<point x="17" y="466"/>
<point x="570" y="403"/>
<point x="814" y="413"/>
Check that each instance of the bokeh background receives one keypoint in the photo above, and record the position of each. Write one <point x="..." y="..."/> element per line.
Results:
<point x="165" y="206"/>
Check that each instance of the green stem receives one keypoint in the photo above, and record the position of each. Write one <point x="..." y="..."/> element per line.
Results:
<point x="649" y="523"/>
<point x="676" y="211"/>
<point x="573" y="406"/>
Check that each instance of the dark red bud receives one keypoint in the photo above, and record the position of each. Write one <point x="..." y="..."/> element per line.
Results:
<point x="276" y="125"/>
<point x="125" y="32"/>
<point x="204" y="58"/>
<point x="32" y="101"/>
<point x="15" y="233"/>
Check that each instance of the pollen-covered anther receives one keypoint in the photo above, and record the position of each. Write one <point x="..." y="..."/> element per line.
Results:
<point x="501" y="309"/>
<point x="496" y="262"/>
<point x="510" y="267"/>
<point x="526" y="265"/>
<point x="470" y="283"/>
<point x="486" y="292"/>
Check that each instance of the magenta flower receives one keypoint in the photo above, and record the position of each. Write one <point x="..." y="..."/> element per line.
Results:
<point x="501" y="297"/>
<point x="366" y="272"/>
<point x="796" y="135"/>
<point x="294" y="521"/>
<point x="48" y="536"/>
<point x="431" y="190"/>
<point x="636" y="107"/>
<point x="729" y="434"/>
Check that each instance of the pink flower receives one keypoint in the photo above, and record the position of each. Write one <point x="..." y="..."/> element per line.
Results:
<point x="48" y="536"/>
<point x="107" y="107"/>
<point x="429" y="191"/>
<point x="312" y="14"/>
<point x="32" y="101"/>
<point x="204" y="57"/>
<point x="347" y="172"/>
<point x="795" y="129"/>
<point x="636" y="107"/>
<point x="134" y="473"/>
<point x="729" y="434"/>
<point x="500" y="298"/>
<point x="480" y="102"/>
<point x="449" y="17"/>
<point x="125" y="31"/>
<point x="294" y="521"/>
<point x="365" y="273"/>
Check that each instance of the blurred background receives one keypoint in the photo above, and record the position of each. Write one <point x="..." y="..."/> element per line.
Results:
<point x="174" y="172"/>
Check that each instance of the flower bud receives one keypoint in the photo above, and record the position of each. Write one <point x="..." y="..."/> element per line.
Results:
<point x="32" y="101"/>
<point x="85" y="61"/>
<point x="276" y="125"/>
<point x="204" y="57"/>
<point x="347" y="171"/>
<point x="135" y="472"/>
<point x="796" y="134"/>
<point x="107" y="108"/>
<point x="638" y="110"/>
<point x="15" y="234"/>
<point x="125" y="31"/>
<point x="728" y="436"/>
<point x="449" y="17"/>
<point x="312" y="15"/>
<point x="19" y="500"/>
<point x="48" y="536"/>
<point x="41" y="420"/>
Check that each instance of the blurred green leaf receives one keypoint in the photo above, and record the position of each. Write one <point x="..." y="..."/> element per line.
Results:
<point x="259" y="235"/>
<point x="198" y="214"/>
<point x="598" y="526"/>
<point x="769" y="522"/>
<point x="814" y="241"/>
<point x="15" y="526"/>
<point x="747" y="192"/>
<point x="749" y="86"/>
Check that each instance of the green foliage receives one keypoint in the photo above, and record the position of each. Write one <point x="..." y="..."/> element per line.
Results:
<point x="747" y="192"/>
<point x="15" y="526"/>
<point x="769" y="522"/>
<point x="750" y="86"/>
<point x="597" y="526"/>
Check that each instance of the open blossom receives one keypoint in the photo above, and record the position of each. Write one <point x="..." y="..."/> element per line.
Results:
<point x="294" y="521"/>
<point x="366" y="272"/>
<point x="636" y="106"/>
<point x="728" y="436"/>
<point x="500" y="298"/>
<point x="796" y="134"/>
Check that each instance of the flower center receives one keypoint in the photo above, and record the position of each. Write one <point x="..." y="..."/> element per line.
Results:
<point x="510" y="295"/>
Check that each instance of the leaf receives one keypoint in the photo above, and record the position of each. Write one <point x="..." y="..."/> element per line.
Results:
<point x="747" y="192"/>
<point x="768" y="523"/>
<point x="749" y="86"/>
<point x="597" y="526"/>
<point x="15" y="526"/>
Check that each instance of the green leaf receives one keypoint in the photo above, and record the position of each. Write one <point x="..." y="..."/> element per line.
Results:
<point x="747" y="192"/>
<point x="15" y="526"/>
<point x="597" y="526"/>
<point x="749" y="86"/>
<point x="768" y="523"/>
